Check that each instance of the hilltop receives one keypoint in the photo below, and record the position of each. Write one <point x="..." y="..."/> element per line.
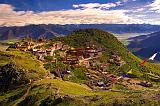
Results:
<point x="110" y="43"/>
<point x="87" y="67"/>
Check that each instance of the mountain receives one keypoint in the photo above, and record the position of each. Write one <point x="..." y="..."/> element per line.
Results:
<point x="147" y="45"/>
<point x="51" y="31"/>
<point x="121" y="28"/>
<point x="29" y="83"/>
<point x="35" y="31"/>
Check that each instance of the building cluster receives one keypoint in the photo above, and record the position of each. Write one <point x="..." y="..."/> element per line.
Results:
<point x="23" y="46"/>
<point x="37" y="48"/>
<point x="82" y="55"/>
<point x="102" y="80"/>
<point x="70" y="56"/>
<point x="51" y="51"/>
<point x="116" y="59"/>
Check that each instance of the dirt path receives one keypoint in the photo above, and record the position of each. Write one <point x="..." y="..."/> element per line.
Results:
<point x="87" y="59"/>
<point x="23" y="97"/>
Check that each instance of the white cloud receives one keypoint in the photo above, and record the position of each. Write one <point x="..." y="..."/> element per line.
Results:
<point x="97" y="5"/>
<point x="155" y="5"/>
<point x="89" y="5"/>
<point x="89" y="15"/>
<point x="140" y="9"/>
<point x="6" y="8"/>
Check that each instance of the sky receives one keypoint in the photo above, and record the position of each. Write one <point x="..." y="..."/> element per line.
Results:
<point x="25" y="12"/>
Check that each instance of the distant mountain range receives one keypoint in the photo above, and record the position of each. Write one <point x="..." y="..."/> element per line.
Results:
<point x="51" y="30"/>
<point x="146" y="45"/>
<point x="35" y="31"/>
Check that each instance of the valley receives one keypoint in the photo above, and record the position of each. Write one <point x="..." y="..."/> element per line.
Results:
<point x="87" y="67"/>
<point x="126" y="37"/>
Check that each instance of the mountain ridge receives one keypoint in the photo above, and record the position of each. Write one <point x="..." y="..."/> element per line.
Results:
<point x="51" y="30"/>
<point x="148" y="44"/>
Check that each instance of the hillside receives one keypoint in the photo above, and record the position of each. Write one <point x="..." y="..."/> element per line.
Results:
<point x="110" y="43"/>
<point x="34" y="83"/>
<point x="147" y="44"/>
<point x="18" y="68"/>
<point x="51" y="30"/>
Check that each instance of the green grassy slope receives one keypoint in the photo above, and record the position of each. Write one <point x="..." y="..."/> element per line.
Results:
<point x="55" y="92"/>
<point x="108" y="41"/>
<point x="33" y="67"/>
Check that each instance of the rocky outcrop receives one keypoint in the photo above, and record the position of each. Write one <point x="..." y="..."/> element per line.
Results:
<point x="11" y="76"/>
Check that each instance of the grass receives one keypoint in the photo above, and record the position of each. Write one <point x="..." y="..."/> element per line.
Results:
<point x="3" y="60"/>
<point x="3" y="47"/>
<point x="10" y="96"/>
<point x="82" y="95"/>
<point x="25" y="60"/>
<point x="10" y="41"/>
<point x="65" y="87"/>
<point x="78" y="75"/>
